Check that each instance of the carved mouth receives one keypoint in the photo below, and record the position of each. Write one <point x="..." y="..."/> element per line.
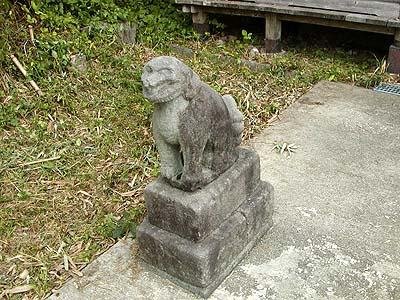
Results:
<point x="158" y="94"/>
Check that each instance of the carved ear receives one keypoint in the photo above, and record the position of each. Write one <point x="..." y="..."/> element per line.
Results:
<point x="192" y="85"/>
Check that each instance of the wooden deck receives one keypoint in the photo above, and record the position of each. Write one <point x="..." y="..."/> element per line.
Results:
<point x="365" y="15"/>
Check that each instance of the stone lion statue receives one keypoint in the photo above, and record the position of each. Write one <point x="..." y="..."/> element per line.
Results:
<point x="197" y="131"/>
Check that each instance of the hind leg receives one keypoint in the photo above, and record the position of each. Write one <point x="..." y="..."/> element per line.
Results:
<point x="193" y="175"/>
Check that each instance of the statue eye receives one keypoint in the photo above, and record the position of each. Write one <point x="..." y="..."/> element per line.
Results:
<point x="148" y="69"/>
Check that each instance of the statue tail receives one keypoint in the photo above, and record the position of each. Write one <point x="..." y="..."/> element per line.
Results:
<point x="236" y="117"/>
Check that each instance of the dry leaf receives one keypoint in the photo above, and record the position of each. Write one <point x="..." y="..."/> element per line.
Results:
<point x="132" y="183"/>
<point x="76" y="248"/>
<point x="66" y="264"/>
<point x="61" y="247"/>
<point x="72" y="263"/>
<point x="85" y="193"/>
<point x="128" y="194"/>
<point x="20" y="289"/>
<point x="11" y="270"/>
<point x="78" y="273"/>
<point x="283" y="148"/>
<point x="24" y="274"/>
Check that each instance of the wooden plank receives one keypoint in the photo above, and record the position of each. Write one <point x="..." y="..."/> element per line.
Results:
<point x="274" y="8"/>
<point x="284" y="6"/>
<point x="393" y="23"/>
<point x="283" y="1"/>
<point x="258" y="10"/>
<point x="339" y="24"/>
<point x="373" y="8"/>
<point x="356" y="18"/>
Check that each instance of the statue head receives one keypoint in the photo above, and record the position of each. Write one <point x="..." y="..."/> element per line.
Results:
<point x="165" y="78"/>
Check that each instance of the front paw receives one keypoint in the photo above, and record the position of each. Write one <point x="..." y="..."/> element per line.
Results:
<point x="169" y="173"/>
<point x="190" y="183"/>
<point x="175" y="181"/>
<point x="194" y="181"/>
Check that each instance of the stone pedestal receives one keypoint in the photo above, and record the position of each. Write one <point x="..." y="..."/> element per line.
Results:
<point x="197" y="238"/>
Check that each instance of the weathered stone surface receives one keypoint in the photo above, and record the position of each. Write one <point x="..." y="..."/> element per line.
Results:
<point x="254" y="52"/>
<point x="194" y="215"/>
<point x="197" y="131"/>
<point x="79" y="62"/>
<point x="202" y="266"/>
<point x="209" y="207"/>
<point x="127" y="32"/>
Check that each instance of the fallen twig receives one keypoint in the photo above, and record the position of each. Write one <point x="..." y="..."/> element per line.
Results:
<point x="273" y="118"/>
<point x="39" y="161"/>
<point x="86" y="194"/>
<point x="23" y="71"/>
<point x="30" y="28"/>
<point x="18" y="64"/>
<point x="126" y="194"/>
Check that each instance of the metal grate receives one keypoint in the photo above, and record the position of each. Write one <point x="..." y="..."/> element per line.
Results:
<point x="388" y="89"/>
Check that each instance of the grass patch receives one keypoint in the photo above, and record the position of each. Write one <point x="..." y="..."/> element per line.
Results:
<point x="96" y="127"/>
<point x="74" y="162"/>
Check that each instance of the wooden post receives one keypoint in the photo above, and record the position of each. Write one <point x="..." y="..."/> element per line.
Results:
<point x="394" y="54"/>
<point x="273" y="30"/>
<point x="199" y="19"/>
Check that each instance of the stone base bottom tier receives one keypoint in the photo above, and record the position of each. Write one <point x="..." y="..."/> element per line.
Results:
<point x="201" y="266"/>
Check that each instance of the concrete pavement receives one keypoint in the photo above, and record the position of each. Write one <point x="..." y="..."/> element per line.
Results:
<point x="336" y="231"/>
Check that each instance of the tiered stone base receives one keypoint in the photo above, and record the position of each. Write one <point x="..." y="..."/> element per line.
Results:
<point x="198" y="238"/>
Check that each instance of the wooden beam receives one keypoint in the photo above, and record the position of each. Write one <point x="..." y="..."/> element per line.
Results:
<point x="346" y="22"/>
<point x="257" y="9"/>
